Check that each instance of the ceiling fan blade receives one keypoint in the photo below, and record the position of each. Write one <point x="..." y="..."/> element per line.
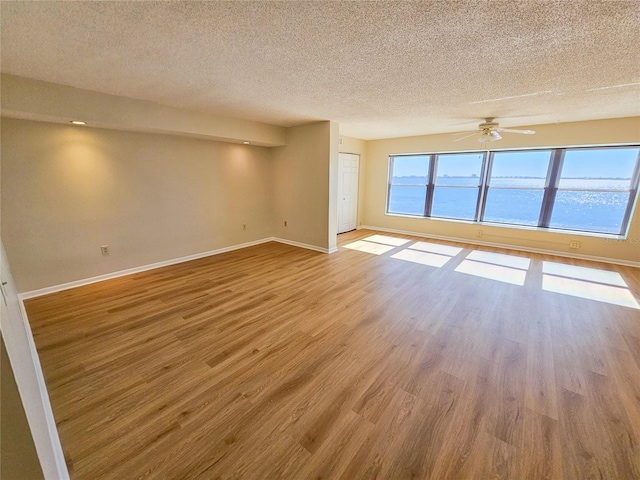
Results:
<point x="511" y="130"/>
<point x="465" y="132"/>
<point x="466" y="136"/>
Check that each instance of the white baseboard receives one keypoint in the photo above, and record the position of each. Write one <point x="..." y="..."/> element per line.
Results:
<point x="591" y="258"/>
<point x="53" y="439"/>
<point x="305" y="245"/>
<point x="121" y="273"/>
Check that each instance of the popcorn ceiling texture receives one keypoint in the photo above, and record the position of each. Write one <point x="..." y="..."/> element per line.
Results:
<point x="380" y="69"/>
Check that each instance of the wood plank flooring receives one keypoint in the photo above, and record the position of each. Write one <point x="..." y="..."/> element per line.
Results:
<point x="275" y="362"/>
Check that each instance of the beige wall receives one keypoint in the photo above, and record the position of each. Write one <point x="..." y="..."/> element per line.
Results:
<point x="301" y="184"/>
<point x="37" y="100"/>
<point x="68" y="190"/>
<point x="334" y="142"/>
<point x="614" y="131"/>
<point x="358" y="147"/>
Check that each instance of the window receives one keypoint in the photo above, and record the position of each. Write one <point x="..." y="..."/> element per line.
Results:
<point x="516" y="187"/>
<point x="457" y="186"/>
<point x="594" y="189"/>
<point x="408" y="186"/>
<point x="582" y="189"/>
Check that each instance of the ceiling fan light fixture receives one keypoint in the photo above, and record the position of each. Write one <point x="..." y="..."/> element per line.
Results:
<point x="490" y="132"/>
<point x="489" y="136"/>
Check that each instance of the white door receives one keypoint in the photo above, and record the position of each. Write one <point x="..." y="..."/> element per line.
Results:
<point x="348" y="167"/>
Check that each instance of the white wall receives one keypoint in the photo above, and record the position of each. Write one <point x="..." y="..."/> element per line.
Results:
<point x="601" y="132"/>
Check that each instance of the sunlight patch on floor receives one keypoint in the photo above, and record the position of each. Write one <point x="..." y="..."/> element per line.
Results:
<point x="493" y="272"/>
<point x="436" y="248"/>
<point x="589" y="290"/>
<point x="424" y="258"/>
<point x="583" y="273"/>
<point x="386" y="240"/>
<point x="369" y="247"/>
<point x="501" y="259"/>
<point x="582" y="282"/>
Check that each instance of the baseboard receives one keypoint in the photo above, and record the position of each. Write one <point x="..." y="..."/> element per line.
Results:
<point x="129" y="271"/>
<point x="121" y="273"/>
<point x="62" y="472"/>
<point x="305" y="245"/>
<point x="591" y="258"/>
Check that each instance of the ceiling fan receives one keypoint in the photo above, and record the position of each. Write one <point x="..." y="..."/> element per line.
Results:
<point x="490" y="131"/>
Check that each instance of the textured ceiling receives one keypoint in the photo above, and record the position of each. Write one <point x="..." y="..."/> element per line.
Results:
<point x="380" y="69"/>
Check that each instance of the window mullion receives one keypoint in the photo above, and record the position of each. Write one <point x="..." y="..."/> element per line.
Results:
<point x="551" y="187"/>
<point x="431" y="180"/>
<point x="390" y="182"/>
<point x="635" y="181"/>
<point x="483" y="189"/>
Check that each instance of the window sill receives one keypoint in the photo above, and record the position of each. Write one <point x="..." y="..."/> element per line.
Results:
<point x="574" y="233"/>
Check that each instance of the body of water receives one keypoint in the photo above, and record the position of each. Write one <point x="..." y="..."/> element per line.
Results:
<point x="574" y="210"/>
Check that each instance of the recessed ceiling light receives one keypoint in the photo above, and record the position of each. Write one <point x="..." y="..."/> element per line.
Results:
<point x="78" y="122"/>
<point x="246" y="143"/>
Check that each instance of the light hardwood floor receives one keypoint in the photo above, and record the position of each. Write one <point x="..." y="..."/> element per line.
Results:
<point x="275" y="362"/>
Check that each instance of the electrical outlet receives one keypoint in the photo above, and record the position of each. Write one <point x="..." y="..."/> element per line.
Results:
<point x="104" y="249"/>
<point x="479" y="233"/>
<point x="285" y="223"/>
<point x="574" y="244"/>
<point x="244" y="226"/>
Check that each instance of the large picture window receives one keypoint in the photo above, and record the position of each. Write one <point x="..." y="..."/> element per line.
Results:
<point x="408" y="185"/>
<point x="582" y="189"/>
<point x="516" y="187"/>
<point x="457" y="186"/>
<point x="594" y="189"/>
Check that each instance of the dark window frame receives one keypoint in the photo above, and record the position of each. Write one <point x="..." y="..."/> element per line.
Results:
<point x="550" y="190"/>
<point x="543" y="189"/>
<point x="390" y="184"/>
<point x="434" y="166"/>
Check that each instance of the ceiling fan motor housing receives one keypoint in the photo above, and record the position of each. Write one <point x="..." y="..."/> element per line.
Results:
<point x="488" y="126"/>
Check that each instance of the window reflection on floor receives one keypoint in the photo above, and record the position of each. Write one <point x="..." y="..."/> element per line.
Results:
<point x="583" y="273"/>
<point x="425" y="258"/>
<point x="386" y="240"/>
<point x="369" y="247"/>
<point x="583" y="282"/>
<point x="496" y="266"/>
<point x="377" y="244"/>
<point x="436" y="248"/>
<point x="426" y="253"/>
<point x="511" y="261"/>
<point x="499" y="273"/>
<point x="590" y="283"/>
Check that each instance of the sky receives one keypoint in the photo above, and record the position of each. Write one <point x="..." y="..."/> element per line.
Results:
<point x="612" y="163"/>
<point x="604" y="163"/>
